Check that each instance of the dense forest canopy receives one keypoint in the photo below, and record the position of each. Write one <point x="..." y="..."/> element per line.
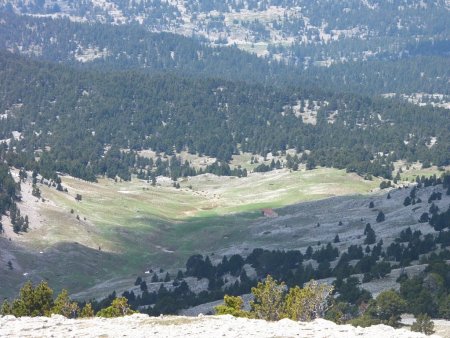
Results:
<point x="69" y="118"/>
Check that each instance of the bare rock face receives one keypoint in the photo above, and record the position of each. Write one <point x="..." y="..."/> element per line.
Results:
<point x="139" y="325"/>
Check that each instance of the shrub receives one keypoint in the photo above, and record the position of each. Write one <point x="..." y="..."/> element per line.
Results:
<point x="272" y="302"/>
<point x="232" y="306"/>
<point x="365" y="321"/>
<point x="388" y="307"/>
<point x="423" y="324"/>
<point x="87" y="311"/>
<point x="268" y="300"/>
<point x="118" y="308"/>
<point x="6" y="308"/>
<point x="308" y="303"/>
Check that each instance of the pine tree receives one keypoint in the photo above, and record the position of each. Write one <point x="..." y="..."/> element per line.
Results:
<point x="370" y="235"/>
<point x="167" y="277"/>
<point x="33" y="301"/>
<point x="65" y="306"/>
<point x="380" y="217"/>
<point x="155" y="278"/>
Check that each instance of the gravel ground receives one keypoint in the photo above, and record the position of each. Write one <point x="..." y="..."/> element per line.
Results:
<point x="199" y="327"/>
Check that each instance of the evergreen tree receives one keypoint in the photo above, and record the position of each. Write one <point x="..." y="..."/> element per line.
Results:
<point x="64" y="306"/>
<point x="380" y="217"/>
<point x="370" y="234"/>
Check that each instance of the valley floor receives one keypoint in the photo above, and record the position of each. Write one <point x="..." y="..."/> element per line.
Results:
<point x="204" y="326"/>
<point x="121" y="229"/>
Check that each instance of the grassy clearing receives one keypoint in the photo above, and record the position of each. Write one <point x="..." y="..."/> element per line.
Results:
<point x="411" y="170"/>
<point x="410" y="175"/>
<point x="123" y="228"/>
<point x="278" y="188"/>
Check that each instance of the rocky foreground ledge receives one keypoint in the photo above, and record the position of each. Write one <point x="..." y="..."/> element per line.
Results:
<point x="204" y="326"/>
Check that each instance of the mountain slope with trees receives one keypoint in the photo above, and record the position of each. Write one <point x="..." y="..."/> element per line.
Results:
<point x="298" y="30"/>
<point x="104" y="46"/>
<point x="72" y="118"/>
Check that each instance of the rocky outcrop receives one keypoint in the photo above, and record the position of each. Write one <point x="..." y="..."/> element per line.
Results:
<point x="203" y="326"/>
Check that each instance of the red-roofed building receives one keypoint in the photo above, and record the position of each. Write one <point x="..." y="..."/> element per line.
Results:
<point x="268" y="212"/>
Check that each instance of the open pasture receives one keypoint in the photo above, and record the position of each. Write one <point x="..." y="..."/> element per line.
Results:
<point x="121" y="229"/>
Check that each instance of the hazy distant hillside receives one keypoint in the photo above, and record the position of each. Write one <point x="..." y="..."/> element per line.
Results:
<point x="413" y="66"/>
<point x="104" y="46"/>
<point x="343" y="30"/>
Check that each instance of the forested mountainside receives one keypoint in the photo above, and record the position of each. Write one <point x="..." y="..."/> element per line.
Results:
<point x="429" y="74"/>
<point x="105" y="46"/>
<point x="361" y="29"/>
<point x="76" y="119"/>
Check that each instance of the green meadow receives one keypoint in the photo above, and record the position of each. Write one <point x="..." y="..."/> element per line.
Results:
<point x="120" y="229"/>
